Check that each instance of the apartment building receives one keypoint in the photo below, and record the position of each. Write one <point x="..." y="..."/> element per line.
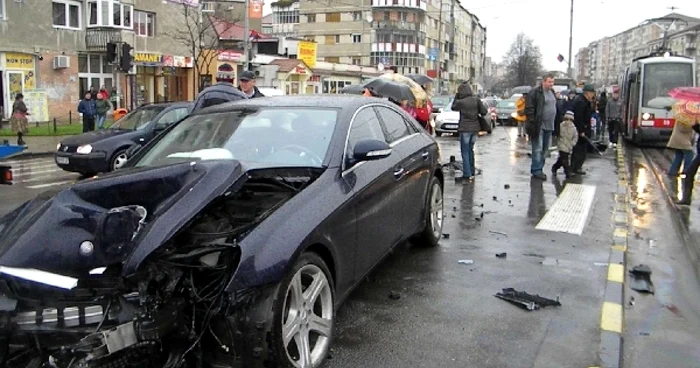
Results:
<point x="438" y="38"/>
<point x="58" y="47"/>
<point x="684" y="42"/>
<point x="608" y="57"/>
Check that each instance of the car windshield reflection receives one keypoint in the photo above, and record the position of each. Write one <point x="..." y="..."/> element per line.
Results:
<point x="274" y="137"/>
<point x="138" y="119"/>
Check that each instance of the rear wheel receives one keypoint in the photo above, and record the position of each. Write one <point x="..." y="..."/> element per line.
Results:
<point x="304" y="315"/>
<point x="435" y="215"/>
<point x="438" y="134"/>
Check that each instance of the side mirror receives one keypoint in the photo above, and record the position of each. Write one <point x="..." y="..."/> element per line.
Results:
<point x="370" y="150"/>
<point x="133" y="150"/>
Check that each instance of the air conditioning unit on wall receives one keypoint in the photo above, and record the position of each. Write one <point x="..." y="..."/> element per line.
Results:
<point x="61" y="62"/>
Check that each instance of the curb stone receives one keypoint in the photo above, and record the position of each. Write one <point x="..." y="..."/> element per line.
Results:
<point x="612" y="314"/>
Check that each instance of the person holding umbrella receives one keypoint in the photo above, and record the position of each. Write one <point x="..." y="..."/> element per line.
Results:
<point x="687" y="111"/>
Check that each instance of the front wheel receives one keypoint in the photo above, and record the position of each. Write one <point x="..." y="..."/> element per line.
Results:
<point x="118" y="160"/>
<point x="304" y="315"/>
<point x="435" y="215"/>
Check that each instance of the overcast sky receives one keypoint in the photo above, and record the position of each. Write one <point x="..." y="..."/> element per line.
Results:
<point x="547" y="22"/>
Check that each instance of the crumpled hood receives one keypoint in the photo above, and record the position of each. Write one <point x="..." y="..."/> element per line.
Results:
<point x="46" y="233"/>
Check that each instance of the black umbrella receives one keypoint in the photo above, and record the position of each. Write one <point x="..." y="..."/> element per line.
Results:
<point x="421" y="79"/>
<point x="353" y="89"/>
<point x="388" y="88"/>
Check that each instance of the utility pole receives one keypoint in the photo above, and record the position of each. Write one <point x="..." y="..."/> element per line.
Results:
<point x="569" y="72"/>
<point x="439" y="55"/>
<point x="246" y="35"/>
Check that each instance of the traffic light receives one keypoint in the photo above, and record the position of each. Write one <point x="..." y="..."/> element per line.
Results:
<point x="125" y="62"/>
<point x="111" y="52"/>
<point x="560" y="58"/>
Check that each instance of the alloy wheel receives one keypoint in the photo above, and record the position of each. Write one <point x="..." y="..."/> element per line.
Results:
<point x="119" y="160"/>
<point x="307" y="317"/>
<point x="436" y="210"/>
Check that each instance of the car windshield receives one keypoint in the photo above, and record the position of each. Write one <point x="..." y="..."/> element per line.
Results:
<point x="506" y="104"/>
<point x="448" y="107"/>
<point x="660" y="78"/>
<point x="138" y="119"/>
<point x="441" y="100"/>
<point x="275" y="137"/>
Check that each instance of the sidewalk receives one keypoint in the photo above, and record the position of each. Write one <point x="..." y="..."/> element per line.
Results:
<point x="501" y="212"/>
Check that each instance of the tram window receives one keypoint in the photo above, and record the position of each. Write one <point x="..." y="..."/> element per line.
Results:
<point x="660" y="78"/>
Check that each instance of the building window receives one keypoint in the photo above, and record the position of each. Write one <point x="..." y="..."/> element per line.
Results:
<point x="334" y="86"/>
<point x="311" y="18"/>
<point x="286" y="17"/>
<point x="66" y="13"/>
<point x="356" y="61"/>
<point x="333" y="17"/>
<point x="109" y="13"/>
<point x="357" y="16"/>
<point x="2" y="9"/>
<point x="337" y="38"/>
<point x="93" y="71"/>
<point x="356" y="38"/>
<point x="144" y="23"/>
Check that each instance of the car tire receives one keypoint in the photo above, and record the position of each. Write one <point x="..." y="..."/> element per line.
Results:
<point x="304" y="318"/>
<point x="118" y="160"/>
<point x="434" y="215"/>
<point x="438" y="134"/>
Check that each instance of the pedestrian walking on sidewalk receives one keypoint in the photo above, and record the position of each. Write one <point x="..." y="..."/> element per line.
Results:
<point x="583" y="112"/>
<point x="469" y="107"/>
<point x="602" y="117"/>
<point x="103" y="106"/>
<point x="541" y="111"/>
<point x="568" y="137"/>
<point x="613" y="112"/>
<point x="18" y="119"/>
<point x="88" y="107"/>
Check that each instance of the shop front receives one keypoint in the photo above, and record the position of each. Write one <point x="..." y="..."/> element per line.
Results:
<point x="161" y="78"/>
<point x="293" y="76"/>
<point x="17" y="75"/>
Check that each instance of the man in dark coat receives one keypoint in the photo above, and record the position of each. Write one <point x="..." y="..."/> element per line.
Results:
<point x="469" y="107"/>
<point x="583" y="112"/>
<point x="541" y="112"/>
<point x="246" y="84"/>
<point x="223" y="91"/>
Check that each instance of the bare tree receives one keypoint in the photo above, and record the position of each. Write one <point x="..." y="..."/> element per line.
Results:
<point x="200" y="33"/>
<point x="523" y="62"/>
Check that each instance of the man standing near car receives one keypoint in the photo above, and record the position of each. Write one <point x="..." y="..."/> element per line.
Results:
<point x="246" y="83"/>
<point x="221" y="92"/>
<point x="583" y="112"/>
<point x="541" y="112"/>
<point x="88" y="107"/>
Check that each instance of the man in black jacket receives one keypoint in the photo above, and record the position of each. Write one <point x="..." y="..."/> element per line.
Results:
<point x="541" y="112"/>
<point x="583" y="112"/>
<point x="223" y="91"/>
<point x="246" y="83"/>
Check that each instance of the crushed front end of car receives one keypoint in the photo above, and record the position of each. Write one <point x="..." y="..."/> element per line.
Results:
<point x="132" y="270"/>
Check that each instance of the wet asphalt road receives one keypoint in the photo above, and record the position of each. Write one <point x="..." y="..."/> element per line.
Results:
<point x="447" y="315"/>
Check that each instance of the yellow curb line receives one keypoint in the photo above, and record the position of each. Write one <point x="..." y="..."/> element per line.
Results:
<point x="611" y="318"/>
<point x="616" y="273"/>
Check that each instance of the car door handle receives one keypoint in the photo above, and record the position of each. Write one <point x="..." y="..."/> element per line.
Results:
<point x="398" y="173"/>
<point x="425" y="155"/>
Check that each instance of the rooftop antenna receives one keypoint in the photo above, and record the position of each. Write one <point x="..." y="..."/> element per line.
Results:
<point x="673" y="8"/>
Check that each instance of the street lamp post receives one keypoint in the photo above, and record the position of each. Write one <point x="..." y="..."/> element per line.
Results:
<point x="569" y="72"/>
<point x="246" y="35"/>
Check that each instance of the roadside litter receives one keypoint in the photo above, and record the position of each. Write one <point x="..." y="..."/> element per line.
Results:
<point x="498" y="232"/>
<point x="465" y="261"/>
<point x="641" y="279"/>
<point x="502" y="255"/>
<point x="526" y="301"/>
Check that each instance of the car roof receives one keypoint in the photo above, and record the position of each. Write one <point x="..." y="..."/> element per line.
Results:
<point x="334" y="101"/>
<point x="169" y="104"/>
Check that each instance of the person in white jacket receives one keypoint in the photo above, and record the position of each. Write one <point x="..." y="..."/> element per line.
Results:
<point x="568" y="137"/>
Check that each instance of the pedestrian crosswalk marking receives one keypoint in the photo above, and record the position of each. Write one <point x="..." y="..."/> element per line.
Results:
<point x="570" y="211"/>
<point x="39" y="173"/>
<point x="39" y="186"/>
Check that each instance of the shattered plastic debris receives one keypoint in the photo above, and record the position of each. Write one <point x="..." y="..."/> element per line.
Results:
<point x="641" y="279"/>
<point x="600" y="264"/>
<point x="495" y="198"/>
<point x="446" y="236"/>
<point x="507" y="186"/>
<point x="393" y="295"/>
<point x="498" y="232"/>
<point x="465" y="261"/>
<point x="526" y="301"/>
<point x="502" y="255"/>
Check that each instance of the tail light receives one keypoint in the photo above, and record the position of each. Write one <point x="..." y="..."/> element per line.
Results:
<point x="6" y="175"/>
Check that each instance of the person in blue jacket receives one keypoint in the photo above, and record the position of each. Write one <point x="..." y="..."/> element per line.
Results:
<point x="88" y="107"/>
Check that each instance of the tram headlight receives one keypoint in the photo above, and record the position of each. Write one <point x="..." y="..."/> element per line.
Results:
<point x="647" y="116"/>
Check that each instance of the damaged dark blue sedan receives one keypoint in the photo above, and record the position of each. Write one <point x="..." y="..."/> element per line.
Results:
<point x="228" y="241"/>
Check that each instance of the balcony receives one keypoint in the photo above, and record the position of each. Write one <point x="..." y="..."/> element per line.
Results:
<point x="96" y="39"/>
<point x="394" y="25"/>
<point x="406" y="4"/>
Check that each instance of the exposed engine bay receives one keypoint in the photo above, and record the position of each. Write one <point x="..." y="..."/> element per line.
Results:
<point x="174" y="312"/>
